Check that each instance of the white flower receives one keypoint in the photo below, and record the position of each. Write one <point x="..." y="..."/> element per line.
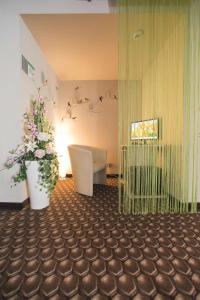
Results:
<point x="31" y="146"/>
<point x="39" y="153"/>
<point x="9" y="162"/>
<point x="20" y="150"/>
<point x="43" y="136"/>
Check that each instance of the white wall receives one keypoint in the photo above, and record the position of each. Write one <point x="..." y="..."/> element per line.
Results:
<point x="15" y="91"/>
<point x="14" y="87"/>
<point x="11" y="103"/>
<point x="33" y="53"/>
<point x="98" y="129"/>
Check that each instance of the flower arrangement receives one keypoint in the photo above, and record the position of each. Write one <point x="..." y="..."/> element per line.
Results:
<point x="38" y="145"/>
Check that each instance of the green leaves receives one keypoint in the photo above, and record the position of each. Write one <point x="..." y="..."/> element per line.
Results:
<point x="48" y="173"/>
<point x="21" y="175"/>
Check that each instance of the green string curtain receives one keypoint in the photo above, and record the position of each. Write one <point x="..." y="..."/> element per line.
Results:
<point x="159" y="65"/>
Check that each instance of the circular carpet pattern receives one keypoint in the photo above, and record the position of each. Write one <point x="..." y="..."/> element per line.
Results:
<point x="82" y="248"/>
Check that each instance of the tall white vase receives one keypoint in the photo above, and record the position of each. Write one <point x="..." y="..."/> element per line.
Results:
<point x="39" y="196"/>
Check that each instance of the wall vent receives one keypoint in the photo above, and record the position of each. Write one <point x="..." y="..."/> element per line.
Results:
<point x="24" y="64"/>
<point x="27" y="67"/>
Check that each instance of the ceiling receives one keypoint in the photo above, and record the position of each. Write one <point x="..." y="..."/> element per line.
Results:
<point x="77" y="46"/>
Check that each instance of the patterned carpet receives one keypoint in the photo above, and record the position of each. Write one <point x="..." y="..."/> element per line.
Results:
<point x="81" y="248"/>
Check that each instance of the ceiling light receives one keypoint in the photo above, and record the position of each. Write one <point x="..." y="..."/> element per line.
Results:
<point x="138" y="34"/>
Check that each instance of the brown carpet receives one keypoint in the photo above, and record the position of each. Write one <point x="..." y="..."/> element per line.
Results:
<point x="81" y="248"/>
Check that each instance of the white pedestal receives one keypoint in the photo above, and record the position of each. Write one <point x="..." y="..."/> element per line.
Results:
<point x="39" y="196"/>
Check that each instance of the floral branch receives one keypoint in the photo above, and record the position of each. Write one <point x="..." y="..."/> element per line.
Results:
<point x="38" y="144"/>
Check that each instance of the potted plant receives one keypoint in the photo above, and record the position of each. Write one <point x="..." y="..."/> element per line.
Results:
<point x="36" y="157"/>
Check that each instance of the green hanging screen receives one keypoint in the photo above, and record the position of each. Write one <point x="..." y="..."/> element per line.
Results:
<point x="159" y="91"/>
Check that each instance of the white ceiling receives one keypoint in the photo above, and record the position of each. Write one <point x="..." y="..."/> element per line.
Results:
<point x="58" y="6"/>
<point x="77" y="46"/>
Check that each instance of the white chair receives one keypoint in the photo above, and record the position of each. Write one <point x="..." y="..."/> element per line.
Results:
<point x="88" y="167"/>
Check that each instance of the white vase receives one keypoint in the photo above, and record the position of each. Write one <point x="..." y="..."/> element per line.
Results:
<point x="39" y="196"/>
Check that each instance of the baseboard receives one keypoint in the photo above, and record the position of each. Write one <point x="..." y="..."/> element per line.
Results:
<point x="112" y="175"/>
<point x="108" y="175"/>
<point x="68" y="176"/>
<point x="198" y="206"/>
<point x="14" y="205"/>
